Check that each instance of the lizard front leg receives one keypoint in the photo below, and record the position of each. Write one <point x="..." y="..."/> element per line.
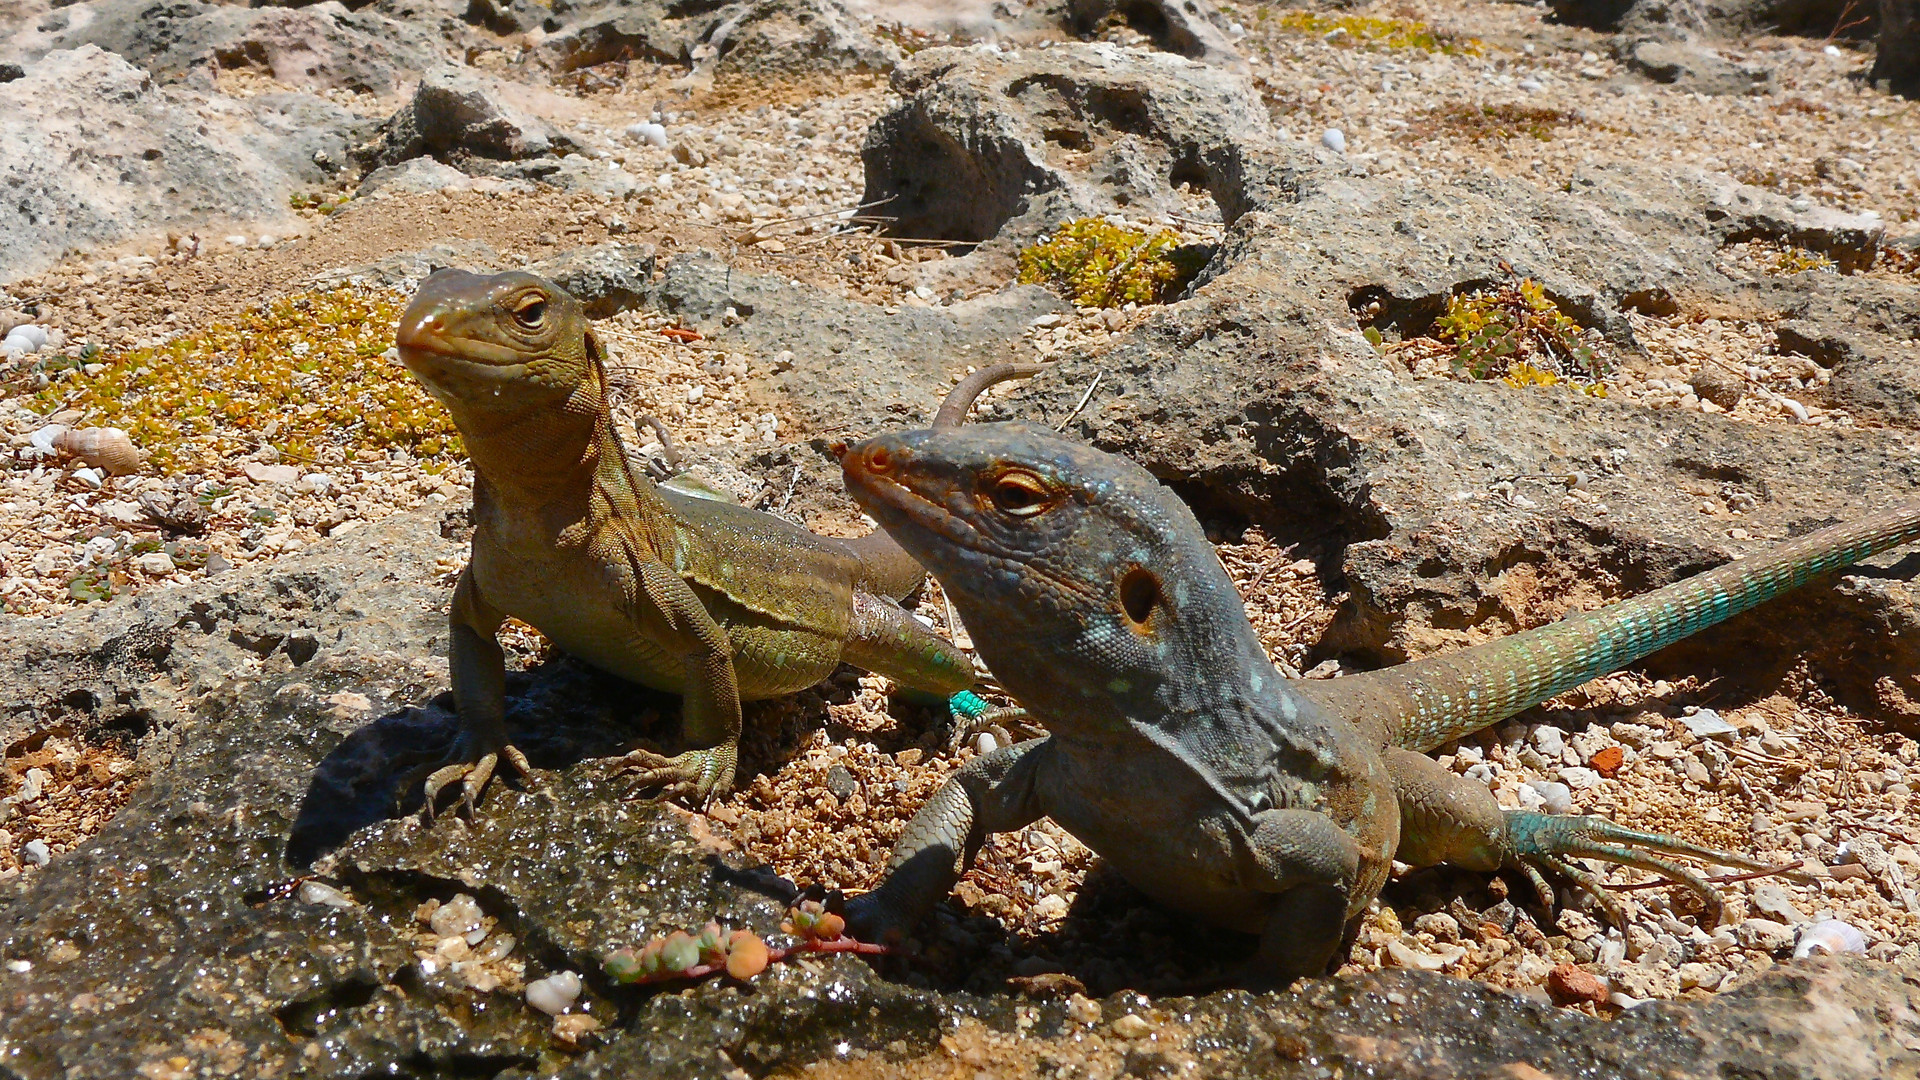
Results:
<point x="479" y="672"/>
<point x="996" y="792"/>
<point x="1449" y="818"/>
<point x="1312" y="866"/>
<point x="665" y="608"/>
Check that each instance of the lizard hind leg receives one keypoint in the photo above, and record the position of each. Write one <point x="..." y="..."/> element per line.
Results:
<point x="1449" y="818"/>
<point x="1552" y="840"/>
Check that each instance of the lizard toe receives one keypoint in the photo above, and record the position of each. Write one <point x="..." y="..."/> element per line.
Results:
<point x="1550" y="841"/>
<point x="699" y="775"/>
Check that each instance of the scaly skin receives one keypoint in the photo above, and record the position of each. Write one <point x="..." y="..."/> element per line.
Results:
<point x="1180" y="754"/>
<point x="696" y="596"/>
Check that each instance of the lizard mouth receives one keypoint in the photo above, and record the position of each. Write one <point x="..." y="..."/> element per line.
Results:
<point x="895" y="504"/>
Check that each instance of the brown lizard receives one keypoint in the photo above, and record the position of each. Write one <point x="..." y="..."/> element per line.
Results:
<point x="691" y="595"/>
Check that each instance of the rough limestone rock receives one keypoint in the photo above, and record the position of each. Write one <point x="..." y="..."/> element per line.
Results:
<point x="1193" y="28"/>
<point x="319" y="47"/>
<point x="767" y="36"/>
<point x="278" y="705"/>
<point x="100" y="154"/>
<point x="996" y="147"/>
<point x="1693" y="67"/>
<point x="458" y="115"/>
<point x="1721" y="20"/>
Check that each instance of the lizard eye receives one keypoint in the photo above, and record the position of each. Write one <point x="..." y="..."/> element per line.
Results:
<point x="1020" y="494"/>
<point x="531" y="311"/>
<point x="1139" y="592"/>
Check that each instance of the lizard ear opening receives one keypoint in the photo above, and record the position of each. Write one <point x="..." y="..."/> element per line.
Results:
<point x="1139" y="592"/>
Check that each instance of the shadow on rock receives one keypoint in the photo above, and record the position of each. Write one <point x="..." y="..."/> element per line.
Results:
<point x="559" y="714"/>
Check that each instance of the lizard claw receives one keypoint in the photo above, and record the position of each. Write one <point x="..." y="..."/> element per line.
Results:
<point x="701" y="775"/>
<point x="1551" y="841"/>
<point x="973" y="716"/>
<point x="472" y="770"/>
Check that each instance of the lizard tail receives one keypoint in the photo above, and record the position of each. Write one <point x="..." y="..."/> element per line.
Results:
<point x="888" y="569"/>
<point x="960" y="399"/>
<point x="1425" y="703"/>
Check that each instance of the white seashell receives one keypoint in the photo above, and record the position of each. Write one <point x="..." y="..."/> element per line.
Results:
<point x="1335" y="140"/>
<point x="1829" y="937"/>
<point x="554" y="994"/>
<point x="102" y="447"/>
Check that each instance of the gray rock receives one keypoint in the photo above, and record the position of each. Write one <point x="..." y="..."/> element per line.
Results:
<point x="979" y="151"/>
<point x="607" y="278"/>
<point x="1875" y="375"/>
<point x="1318" y="435"/>
<point x="1693" y="67"/>
<point x="1724" y="20"/>
<point x="768" y="36"/>
<point x="412" y="175"/>
<point x="318" y="47"/>
<point x="100" y="154"/>
<point x="457" y="114"/>
<point x="409" y="269"/>
<point x="1191" y="28"/>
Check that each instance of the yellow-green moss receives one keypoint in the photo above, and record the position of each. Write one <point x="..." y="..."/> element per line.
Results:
<point x="1097" y="264"/>
<point x="304" y="373"/>
<point x="1514" y="332"/>
<point x="1785" y="260"/>
<point x="1361" y="31"/>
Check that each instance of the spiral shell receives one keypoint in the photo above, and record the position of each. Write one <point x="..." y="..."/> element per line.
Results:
<point x="102" y="447"/>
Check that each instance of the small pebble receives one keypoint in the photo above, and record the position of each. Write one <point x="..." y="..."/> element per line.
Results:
<point x="321" y="894"/>
<point x="1531" y="86"/>
<point x="457" y="917"/>
<point x="1568" y="985"/>
<point x="1706" y="724"/>
<point x="1555" y="797"/>
<point x="36" y="852"/>
<point x="1132" y="1026"/>
<point x="156" y="563"/>
<point x="1335" y="140"/>
<point x="556" y="993"/>
<point x="650" y="133"/>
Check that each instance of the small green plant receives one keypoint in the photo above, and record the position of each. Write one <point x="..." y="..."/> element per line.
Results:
<point x="1514" y="332"/>
<point x="1361" y="31"/>
<point x="1097" y="264"/>
<point x="93" y="583"/>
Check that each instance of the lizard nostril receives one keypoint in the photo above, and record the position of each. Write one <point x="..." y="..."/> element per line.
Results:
<point x="878" y="460"/>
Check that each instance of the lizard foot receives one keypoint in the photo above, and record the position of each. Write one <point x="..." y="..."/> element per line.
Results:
<point x="472" y="770"/>
<point x="703" y="775"/>
<point x="973" y="716"/>
<point x="1551" y="841"/>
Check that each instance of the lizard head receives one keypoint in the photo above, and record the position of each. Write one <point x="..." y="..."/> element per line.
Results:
<point x="506" y="341"/>
<point x="1058" y="556"/>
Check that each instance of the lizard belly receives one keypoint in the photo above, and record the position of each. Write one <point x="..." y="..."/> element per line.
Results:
<point x="1179" y="848"/>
